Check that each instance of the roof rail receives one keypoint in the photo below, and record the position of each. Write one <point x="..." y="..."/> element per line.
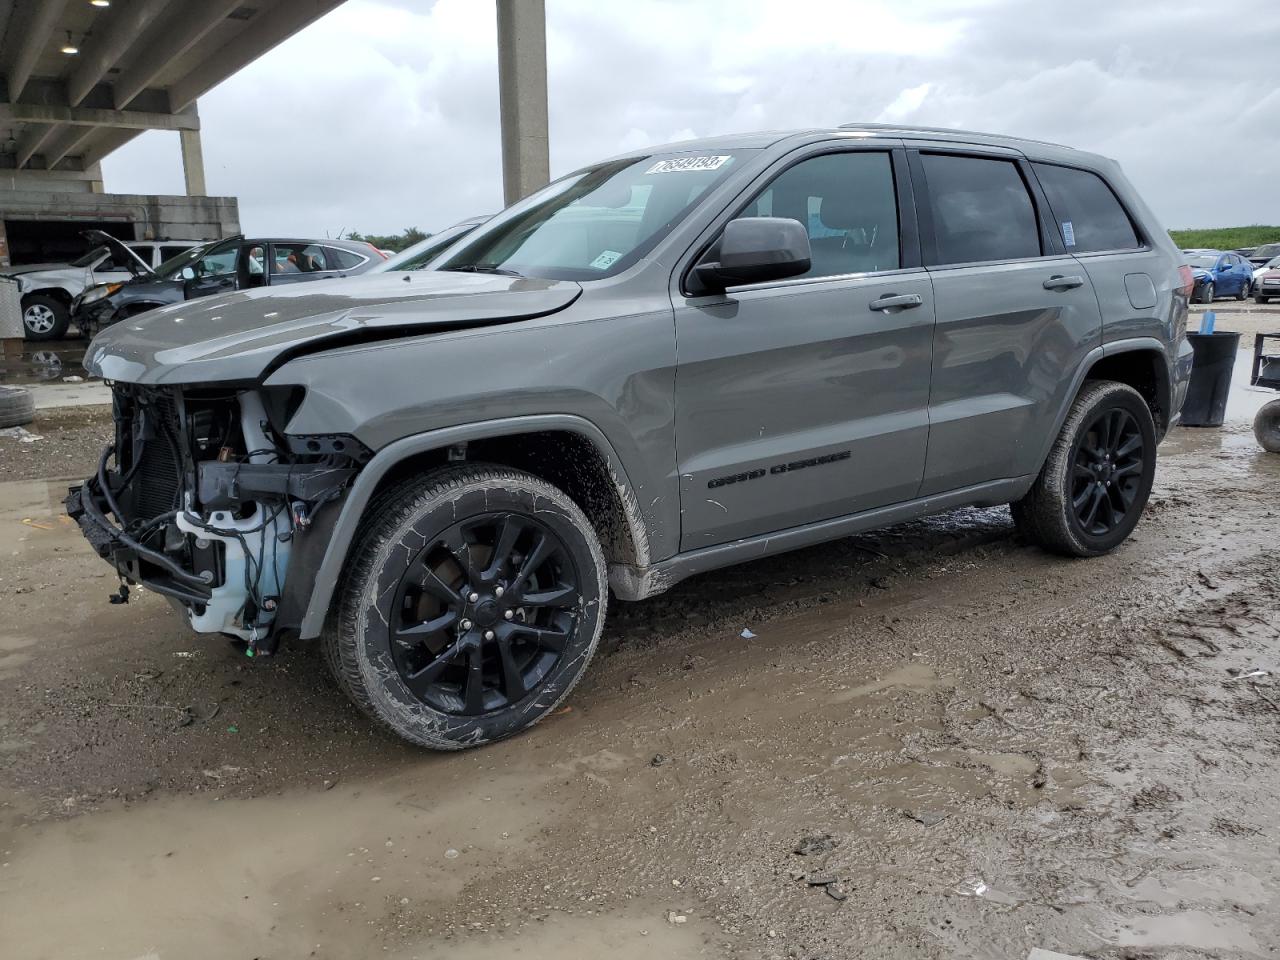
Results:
<point x="907" y="128"/>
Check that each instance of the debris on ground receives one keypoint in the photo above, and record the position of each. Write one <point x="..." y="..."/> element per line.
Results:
<point x="21" y="434"/>
<point x="814" y="845"/>
<point x="747" y="634"/>
<point x="971" y="887"/>
<point x="659" y="760"/>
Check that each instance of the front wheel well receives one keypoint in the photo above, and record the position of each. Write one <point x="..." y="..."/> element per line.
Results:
<point x="1145" y="371"/>
<point x="567" y="460"/>
<point x="52" y="293"/>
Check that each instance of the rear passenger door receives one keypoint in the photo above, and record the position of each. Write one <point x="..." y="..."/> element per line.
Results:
<point x="804" y="399"/>
<point x="1016" y="315"/>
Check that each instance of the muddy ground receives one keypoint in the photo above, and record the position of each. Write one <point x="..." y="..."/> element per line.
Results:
<point x="985" y="749"/>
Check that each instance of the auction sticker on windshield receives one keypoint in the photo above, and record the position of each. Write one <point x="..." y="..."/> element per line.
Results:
<point x="681" y="164"/>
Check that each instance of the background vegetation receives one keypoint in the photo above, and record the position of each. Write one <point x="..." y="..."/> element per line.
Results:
<point x="1226" y="238"/>
<point x="391" y="241"/>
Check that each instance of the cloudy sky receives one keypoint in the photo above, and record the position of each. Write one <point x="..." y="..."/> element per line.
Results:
<point x="384" y="114"/>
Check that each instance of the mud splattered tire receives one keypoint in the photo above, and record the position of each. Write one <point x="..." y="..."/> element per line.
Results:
<point x="16" y="407"/>
<point x="471" y="606"/>
<point x="1266" y="426"/>
<point x="1096" y="481"/>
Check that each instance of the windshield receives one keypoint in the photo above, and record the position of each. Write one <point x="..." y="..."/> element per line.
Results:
<point x="1272" y="264"/>
<point x="1206" y="260"/>
<point x="89" y="258"/>
<point x="174" y="265"/>
<point x="423" y="252"/>
<point x="1267" y="250"/>
<point x="597" y="222"/>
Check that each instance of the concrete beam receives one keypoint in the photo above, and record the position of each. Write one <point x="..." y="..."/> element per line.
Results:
<point x="122" y="27"/>
<point x="63" y="143"/>
<point x="166" y="41"/>
<point x="260" y="34"/>
<point x="522" y="96"/>
<point x="35" y="137"/>
<point x="193" y="163"/>
<point x="90" y="117"/>
<point x="31" y="38"/>
<point x="104" y="143"/>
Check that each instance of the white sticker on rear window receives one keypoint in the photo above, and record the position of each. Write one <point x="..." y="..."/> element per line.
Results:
<point x="681" y="164"/>
<point x="605" y="260"/>
<point x="1068" y="233"/>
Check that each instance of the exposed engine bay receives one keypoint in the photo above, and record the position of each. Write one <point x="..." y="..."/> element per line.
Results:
<point x="203" y="498"/>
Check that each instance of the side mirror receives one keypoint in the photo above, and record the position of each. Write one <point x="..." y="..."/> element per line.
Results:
<point x="756" y="250"/>
<point x="188" y="273"/>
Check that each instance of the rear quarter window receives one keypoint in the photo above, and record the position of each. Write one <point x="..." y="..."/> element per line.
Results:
<point x="1086" y="212"/>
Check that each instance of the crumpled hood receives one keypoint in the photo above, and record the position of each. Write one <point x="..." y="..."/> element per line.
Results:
<point x="238" y="336"/>
<point x="33" y="268"/>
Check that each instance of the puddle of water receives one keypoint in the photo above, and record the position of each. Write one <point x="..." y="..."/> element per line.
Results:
<point x="44" y="362"/>
<point x="31" y="512"/>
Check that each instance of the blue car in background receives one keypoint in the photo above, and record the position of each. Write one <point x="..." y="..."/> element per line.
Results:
<point x="1218" y="273"/>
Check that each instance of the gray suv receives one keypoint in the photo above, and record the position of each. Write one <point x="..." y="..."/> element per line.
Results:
<point x="665" y="363"/>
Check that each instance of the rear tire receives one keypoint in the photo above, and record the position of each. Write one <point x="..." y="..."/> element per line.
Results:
<point x="1097" y="478"/>
<point x="412" y="648"/>
<point x="1245" y="287"/>
<point x="44" y="318"/>
<point x="1266" y="426"/>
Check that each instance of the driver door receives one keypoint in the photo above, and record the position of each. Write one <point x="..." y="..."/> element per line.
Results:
<point x="807" y="399"/>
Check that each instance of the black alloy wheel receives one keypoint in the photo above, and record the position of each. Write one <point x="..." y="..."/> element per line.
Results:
<point x="1107" y="471"/>
<point x="483" y="613"/>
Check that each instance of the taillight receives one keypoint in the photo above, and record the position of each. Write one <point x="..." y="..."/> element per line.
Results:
<point x="1188" y="281"/>
<point x="377" y="251"/>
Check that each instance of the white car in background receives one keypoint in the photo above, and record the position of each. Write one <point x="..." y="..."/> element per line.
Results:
<point x="1272" y="264"/>
<point x="48" y="289"/>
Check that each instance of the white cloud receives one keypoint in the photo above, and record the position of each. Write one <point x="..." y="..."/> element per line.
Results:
<point x="385" y="114"/>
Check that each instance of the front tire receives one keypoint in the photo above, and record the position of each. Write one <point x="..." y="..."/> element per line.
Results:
<point x="473" y="603"/>
<point x="1096" y="481"/>
<point x="1206" y="294"/>
<point x="44" y="318"/>
<point x="1259" y="298"/>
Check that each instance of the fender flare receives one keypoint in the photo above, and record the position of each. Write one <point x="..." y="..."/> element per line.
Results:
<point x="1164" y="386"/>
<point x="367" y="480"/>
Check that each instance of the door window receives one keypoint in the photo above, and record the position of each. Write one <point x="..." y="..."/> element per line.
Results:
<point x="1088" y="215"/>
<point x="217" y="263"/>
<point x="293" y="258"/>
<point x="145" y="251"/>
<point x="848" y="206"/>
<point x="981" y="210"/>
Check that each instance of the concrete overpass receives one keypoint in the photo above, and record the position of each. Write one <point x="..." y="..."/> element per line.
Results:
<point x="80" y="78"/>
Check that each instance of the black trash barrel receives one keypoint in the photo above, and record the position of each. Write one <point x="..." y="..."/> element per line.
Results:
<point x="1206" y="403"/>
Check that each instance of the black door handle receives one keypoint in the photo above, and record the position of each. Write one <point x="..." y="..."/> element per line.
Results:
<point x="1057" y="282"/>
<point x="891" y="301"/>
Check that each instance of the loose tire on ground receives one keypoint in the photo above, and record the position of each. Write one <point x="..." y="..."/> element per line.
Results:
<point x="17" y="407"/>
<point x="1055" y="512"/>
<point x="1266" y="426"/>
<point x="44" y="318"/>
<point x="421" y="544"/>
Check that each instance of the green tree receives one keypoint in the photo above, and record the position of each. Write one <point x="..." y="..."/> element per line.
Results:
<point x="390" y="241"/>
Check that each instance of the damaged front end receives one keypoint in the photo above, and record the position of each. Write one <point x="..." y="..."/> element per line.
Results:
<point x="204" y="499"/>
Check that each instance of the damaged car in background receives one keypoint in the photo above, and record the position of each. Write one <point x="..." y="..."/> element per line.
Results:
<point x="444" y="474"/>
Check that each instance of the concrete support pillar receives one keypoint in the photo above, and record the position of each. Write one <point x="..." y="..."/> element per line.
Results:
<point x="95" y="178"/>
<point x="522" y="95"/>
<point x="193" y="162"/>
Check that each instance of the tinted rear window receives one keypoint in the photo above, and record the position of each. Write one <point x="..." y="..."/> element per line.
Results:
<point x="981" y="209"/>
<point x="1087" y="213"/>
